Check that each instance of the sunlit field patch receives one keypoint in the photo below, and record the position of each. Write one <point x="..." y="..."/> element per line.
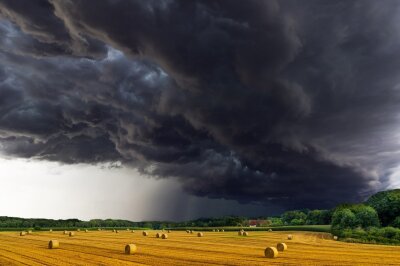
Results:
<point x="181" y="248"/>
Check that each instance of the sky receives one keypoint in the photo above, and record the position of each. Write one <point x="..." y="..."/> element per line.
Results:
<point x="59" y="191"/>
<point x="181" y="109"/>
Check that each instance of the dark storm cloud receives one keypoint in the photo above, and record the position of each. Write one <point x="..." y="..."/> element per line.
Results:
<point x="280" y="102"/>
<point x="46" y="33"/>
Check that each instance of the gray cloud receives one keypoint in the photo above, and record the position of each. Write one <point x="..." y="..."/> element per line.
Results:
<point x="271" y="102"/>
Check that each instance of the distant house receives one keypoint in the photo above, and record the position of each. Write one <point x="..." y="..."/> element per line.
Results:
<point x="253" y="223"/>
<point x="257" y="223"/>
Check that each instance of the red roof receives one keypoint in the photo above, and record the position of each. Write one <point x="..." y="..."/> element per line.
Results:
<point x="253" y="222"/>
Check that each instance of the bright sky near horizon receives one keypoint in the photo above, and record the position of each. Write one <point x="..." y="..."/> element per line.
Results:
<point x="96" y="191"/>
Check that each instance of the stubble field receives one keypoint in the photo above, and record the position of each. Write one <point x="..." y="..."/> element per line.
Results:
<point x="181" y="248"/>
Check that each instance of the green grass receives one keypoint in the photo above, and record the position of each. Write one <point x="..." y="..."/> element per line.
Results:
<point x="312" y="228"/>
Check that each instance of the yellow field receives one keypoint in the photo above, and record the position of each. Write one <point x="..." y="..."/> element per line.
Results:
<point x="215" y="248"/>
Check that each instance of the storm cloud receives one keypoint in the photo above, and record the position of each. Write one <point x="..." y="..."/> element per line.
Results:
<point x="289" y="103"/>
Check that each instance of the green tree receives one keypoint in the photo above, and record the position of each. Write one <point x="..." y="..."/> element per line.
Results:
<point x="318" y="217"/>
<point x="343" y="218"/>
<point x="289" y="216"/>
<point x="276" y="221"/>
<point x="297" y="222"/>
<point x="366" y="216"/>
<point x="396" y="222"/>
<point x="387" y="205"/>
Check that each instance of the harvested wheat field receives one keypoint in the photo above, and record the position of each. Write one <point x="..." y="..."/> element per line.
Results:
<point x="214" y="248"/>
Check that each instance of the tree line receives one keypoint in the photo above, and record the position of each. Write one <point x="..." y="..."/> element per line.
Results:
<point x="377" y="220"/>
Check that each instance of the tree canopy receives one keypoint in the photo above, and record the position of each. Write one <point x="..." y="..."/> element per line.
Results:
<point x="387" y="205"/>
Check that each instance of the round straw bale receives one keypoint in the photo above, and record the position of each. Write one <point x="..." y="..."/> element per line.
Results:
<point x="130" y="249"/>
<point x="270" y="230"/>
<point x="71" y="233"/>
<point x="281" y="246"/>
<point x="113" y="230"/>
<point x="133" y="231"/>
<point x="199" y="234"/>
<point x="169" y="231"/>
<point x="217" y="230"/>
<point x="241" y="230"/>
<point x="245" y="234"/>
<point x="51" y="230"/>
<point x="222" y="230"/>
<point x="22" y="233"/>
<point x="145" y="233"/>
<point x="65" y="233"/>
<point x="335" y="238"/>
<point x="188" y="231"/>
<point x="29" y="232"/>
<point x="240" y="233"/>
<point x="127" y="229"/>
<point x="54" y="244"/>
<point x="271" y="252"/>
<point x="98" y="229"/>
<point x="191" y="231"/>
<point x="213" y="230"/>
<point x="158" y="235"/>
<point x="164" y="236"/>
<point x="289" y="237"/>
<point x="116" y="231"/>
<point x="78" y="230"/>
<point x="86" y="230"/>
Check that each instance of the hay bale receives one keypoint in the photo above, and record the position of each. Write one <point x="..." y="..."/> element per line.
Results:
<point x="200" y="234"/>
<point x="188" y="231"/>
<point x="169" y="231"/>
<point x="335" y="238"/>
<point x="241" y="230"/>
<point x="133" y="231"/>
<point x="22" y="233"/>
<point x="270" y="230"/>
<point x="116" y="231"/>
<point x="78" y="230"/>
<point x="281" y="246"/>
<point x="113" y="230"/>
<point x="217" y="230"/>
<point x="130" y="249"/>
<point x="271" y="252"/>
<point x="245" y="234"/>
<point x="222" y="230"/>
<point x="240" y="233"/>
<point x="164" y="236"/>
<point x="145" y="233"/>
<point x="29" y="232"/>
<point x="158" y="235"/>
<point x="191" y="231"/>
<point x="51" y="230"/>
<point x="98" y="229"/>
<point x="213" y="230"/>
<point x="71" y="233"/>
<point x="65" y="233"/>
<point x="86" y="230"/>
<point x="54" y="244"/>
<point x="289" y="237"/>
<point x="127" y="229"/>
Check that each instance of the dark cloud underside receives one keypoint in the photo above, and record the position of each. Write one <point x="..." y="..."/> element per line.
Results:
<point x="286" y="102"/>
